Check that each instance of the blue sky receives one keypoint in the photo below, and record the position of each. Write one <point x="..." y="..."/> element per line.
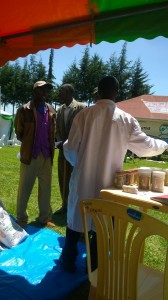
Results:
<point x="152" y="53"/>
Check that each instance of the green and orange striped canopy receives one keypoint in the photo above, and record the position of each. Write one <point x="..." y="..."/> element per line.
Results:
<point x="32" y="25"/>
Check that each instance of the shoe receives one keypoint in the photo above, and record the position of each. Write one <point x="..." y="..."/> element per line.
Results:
<point x="22" y="223"/>
<point x="60" y="211"/>
<point x="69" y="268"/>
<point x="48" y="224"/>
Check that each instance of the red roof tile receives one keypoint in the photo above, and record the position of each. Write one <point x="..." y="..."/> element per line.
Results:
<point x="146" y="107"/>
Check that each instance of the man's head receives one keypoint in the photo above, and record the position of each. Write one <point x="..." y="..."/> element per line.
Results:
<point x="108" y="88"/>
<point x="41" y="90"/>
<point x="66" y="93"/>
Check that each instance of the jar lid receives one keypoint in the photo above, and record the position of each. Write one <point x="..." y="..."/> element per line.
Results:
<point x="160" y="173"/>
<point x="120" y="172"/>
<point x="145" y="170"/>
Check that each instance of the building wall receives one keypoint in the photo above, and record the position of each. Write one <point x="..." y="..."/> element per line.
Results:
<point x="155" y="128"/>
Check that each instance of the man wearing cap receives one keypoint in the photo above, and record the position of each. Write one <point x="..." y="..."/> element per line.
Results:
<point x="35" y="127"/>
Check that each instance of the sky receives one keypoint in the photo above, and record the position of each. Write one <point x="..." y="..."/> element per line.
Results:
<point x="152" y="53"/>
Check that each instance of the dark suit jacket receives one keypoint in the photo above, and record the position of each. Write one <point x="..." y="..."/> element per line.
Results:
<point x="62" y="129"/>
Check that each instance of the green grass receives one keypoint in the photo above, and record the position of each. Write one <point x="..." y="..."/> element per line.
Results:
<point x="9" y="177"/>
<point x="155" y="247"/>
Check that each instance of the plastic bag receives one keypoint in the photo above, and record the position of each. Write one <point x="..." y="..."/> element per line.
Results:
<point x="11" y="234"/>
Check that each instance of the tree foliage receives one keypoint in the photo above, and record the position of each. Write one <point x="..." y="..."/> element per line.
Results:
<point x="139" y="81"/>
<point x="86" y="74"/>
<point x="50" y="75"/>
<point x="17" y="81"/>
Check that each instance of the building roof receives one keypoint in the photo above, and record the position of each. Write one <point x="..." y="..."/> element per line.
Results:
<point x="146" y="107"/>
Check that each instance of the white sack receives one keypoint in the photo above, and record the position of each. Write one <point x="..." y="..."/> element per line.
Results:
<point x="11" y="233"/>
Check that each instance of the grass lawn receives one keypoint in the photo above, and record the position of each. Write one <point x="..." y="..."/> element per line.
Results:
<point x="9" y="177"/>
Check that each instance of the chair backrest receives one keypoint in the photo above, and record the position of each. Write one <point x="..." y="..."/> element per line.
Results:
<point x="121" y="232"/>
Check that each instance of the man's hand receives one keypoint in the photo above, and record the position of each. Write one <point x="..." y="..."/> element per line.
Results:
<point x="59" y="145"/>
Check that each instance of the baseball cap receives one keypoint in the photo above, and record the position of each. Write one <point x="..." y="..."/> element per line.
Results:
<point x="42" y="83"/>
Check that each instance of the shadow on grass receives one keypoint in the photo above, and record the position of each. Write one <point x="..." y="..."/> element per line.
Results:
<point x="36" y="225"/>
<point x="60" y="220"/>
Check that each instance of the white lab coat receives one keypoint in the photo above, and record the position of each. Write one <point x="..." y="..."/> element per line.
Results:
<point x="98" y="141"/>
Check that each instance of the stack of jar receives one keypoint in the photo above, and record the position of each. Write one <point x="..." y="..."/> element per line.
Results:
<point x="145" y="178"/>
<point x="151" y="179"/>
<point x="127" y="177"/>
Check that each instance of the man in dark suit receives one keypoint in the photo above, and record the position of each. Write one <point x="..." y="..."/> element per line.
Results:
<point x="65" y="115"/>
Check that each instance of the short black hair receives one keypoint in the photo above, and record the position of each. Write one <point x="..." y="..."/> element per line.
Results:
<point x="108" y="85"/>
<point x="68" y="87"/>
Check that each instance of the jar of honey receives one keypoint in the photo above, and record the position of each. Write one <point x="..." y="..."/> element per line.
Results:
<point x="144" y="178"/>
<point x="120" y="179"/>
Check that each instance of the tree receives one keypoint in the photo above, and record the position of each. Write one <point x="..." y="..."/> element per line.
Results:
<point x="50" y="76"/>
<point x="124" y="73"/>
<point x="97" y="69"/>
<point x="132" y="79"/>
<point x="26" y="84"/>
<point x="121" y="69"/>
<point x="113" y="66"/>
<point x="33" y="69"/>
<point x="84" y="74"/>
<point x="17" y="82"/>
<point x="15" y="85"/>
<point x="41" y="71"/>
<point x="85" y="77"/>
<point x="6" y="75"/>
<point x="138" y="82"/>
<point x="54" y="96"/>
<point x="71" y="76"/>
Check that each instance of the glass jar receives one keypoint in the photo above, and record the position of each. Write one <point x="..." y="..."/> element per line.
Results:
<point x="158" y="178"/>
<point x="120" y="179"/>
<point x="144" y="178"/>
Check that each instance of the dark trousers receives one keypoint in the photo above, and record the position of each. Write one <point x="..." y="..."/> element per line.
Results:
<point x="70" y="250"/>
<point x="64" y="175"/>
<point x="93" y="250"/>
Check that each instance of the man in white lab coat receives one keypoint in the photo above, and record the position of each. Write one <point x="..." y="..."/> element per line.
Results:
<point x="98" y="141"/>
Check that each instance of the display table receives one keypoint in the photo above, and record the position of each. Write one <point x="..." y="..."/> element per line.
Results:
<point x="142" y="199"/>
